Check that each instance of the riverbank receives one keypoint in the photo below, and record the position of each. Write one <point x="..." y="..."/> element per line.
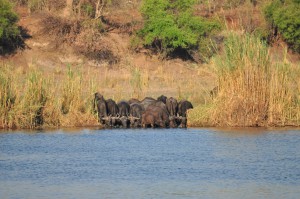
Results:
<point x="48" y="85"/>
<point x="252" y="90"/>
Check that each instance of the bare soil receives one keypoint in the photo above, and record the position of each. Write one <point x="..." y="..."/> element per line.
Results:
<point x="183" y="79"/>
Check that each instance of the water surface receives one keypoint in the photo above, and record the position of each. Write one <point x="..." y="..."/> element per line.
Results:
<point x="150" y="163"/>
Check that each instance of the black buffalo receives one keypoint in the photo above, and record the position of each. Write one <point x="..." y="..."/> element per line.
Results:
<point x="163" y="112"/>
<point x="147" y="101"/>
<point x="162" y="98"/>
<point x="133" y="100"/>
<point x="183" y="106"/>
<point x="136" y="111"/>
<point x="172" y="106"/>
<point x="112" y="113"/>
<point x="152" y="119"/>
<point x="182" y="121"/>
<point x="101" y="107"/>
<point x="161" y="116"/>
<point x="148" y="119"/>
<point x="173" y="121"/>
<point x="124" y="109"/>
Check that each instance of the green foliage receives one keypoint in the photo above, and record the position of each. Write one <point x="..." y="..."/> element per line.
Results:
<point x="8" y="27"/>
<point x="170" y="25"/>
<point x="285" y="16"/>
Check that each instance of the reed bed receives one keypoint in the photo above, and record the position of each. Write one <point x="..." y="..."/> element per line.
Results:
<point x="32" y="98"/>
<point x="35" y="100"/>
<point x="252" y="89"/>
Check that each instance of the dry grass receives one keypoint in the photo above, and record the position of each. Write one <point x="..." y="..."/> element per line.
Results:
<point x="35" y="100"/>
<point x="7" y="97"/>
<point x="253" y="91"/>
<point x="32" y="98"/>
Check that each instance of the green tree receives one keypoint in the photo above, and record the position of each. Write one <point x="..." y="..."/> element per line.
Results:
<point x="9" y="31"/>
<point x="284" y="16"/>
<point x="170" y="25"/>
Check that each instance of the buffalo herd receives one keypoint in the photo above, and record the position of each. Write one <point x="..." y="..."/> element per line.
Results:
<point x="161" y="112"/>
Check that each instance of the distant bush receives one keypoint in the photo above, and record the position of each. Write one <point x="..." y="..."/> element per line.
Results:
<point x="284" y="16"/>
<point x="9" y="31"/>
<point x="171" y="26"/>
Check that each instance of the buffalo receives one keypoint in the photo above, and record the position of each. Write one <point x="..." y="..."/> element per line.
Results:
<point x="133" y="100"/>
<point x="123" y="114"/>
<point x="147" y="102"/>
<point x="154" y="119"/>
<point x="101" y="107"/>
<point x="162" y="98"/>
<point x="182" y="122"/>
<point x="161" y="116"/>
<point x="136" y="111"/>
<point x="163" y="112"/>
<point x="173" y="122"/>
<point x="150" y="119"/>
<point x="183" y="106"/>
<point x="172" y="106"/>
<point x="112" y="112"/>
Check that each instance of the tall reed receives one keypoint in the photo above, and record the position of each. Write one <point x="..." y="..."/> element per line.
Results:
<point x="77" y="100"/>
<point x="36" y="100"/>
<point x="136" y="82"/>
<point x="252" y="90"/>
<point x="7" y="97"/>
<point x="31" y="96"/>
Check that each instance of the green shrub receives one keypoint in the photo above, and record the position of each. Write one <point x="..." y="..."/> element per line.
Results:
<point x="8" y="28"/>
<point x="170" y="25"/>
<point x="284" y="15"/>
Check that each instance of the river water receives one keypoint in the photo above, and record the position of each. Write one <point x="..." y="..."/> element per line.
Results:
<point x="150" y="163"/>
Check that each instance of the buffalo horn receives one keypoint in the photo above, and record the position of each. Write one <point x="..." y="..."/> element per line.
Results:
<point x="105" y="118"/>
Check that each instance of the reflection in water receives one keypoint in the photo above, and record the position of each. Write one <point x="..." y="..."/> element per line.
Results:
<point x="159" y="163"/>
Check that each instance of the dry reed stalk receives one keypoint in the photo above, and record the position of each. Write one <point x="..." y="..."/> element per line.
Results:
<point x="252" y="90"/>
<point x="7" y="97"/>
<point x="43" y="102"/>
<point x="77" y="100"/>
<point x="30" y="101"/>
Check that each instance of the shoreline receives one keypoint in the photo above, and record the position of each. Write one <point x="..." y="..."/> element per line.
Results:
<point x="99" y="127"/>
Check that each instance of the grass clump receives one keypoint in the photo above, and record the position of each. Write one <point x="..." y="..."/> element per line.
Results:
<point x="31" y="102"/>
<point x="252" y="90"/>
<point x="36" y="100"/>
<point x="7" y="97"/>
<point x="77" y="100"/>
